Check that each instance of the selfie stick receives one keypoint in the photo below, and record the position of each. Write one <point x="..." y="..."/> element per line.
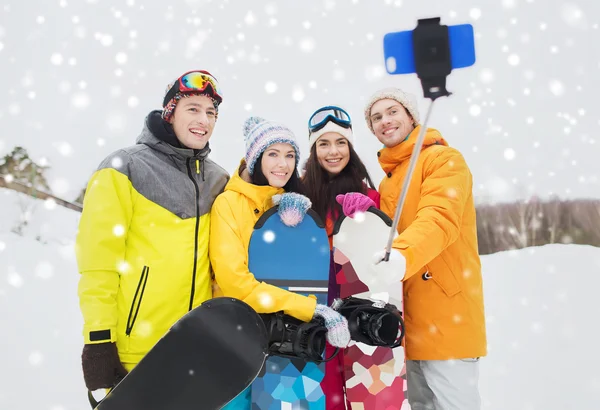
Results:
<point x="432" y="62"/>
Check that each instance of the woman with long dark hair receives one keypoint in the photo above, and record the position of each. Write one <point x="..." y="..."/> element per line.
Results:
<point x="336" y="181"/>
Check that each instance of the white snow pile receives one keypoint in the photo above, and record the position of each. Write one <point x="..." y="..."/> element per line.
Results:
<point x="540" y="304"/>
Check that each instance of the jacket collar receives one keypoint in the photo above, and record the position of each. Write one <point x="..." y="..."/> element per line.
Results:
<point x="389" y="158"/>
<point x="259" y="195"/>
<point x="159" y="135"/>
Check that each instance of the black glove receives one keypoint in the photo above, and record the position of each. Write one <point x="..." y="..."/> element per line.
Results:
<point x="101" y="366"/>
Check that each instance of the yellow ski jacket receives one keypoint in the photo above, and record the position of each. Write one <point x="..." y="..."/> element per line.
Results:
<point x="233" y="217"/>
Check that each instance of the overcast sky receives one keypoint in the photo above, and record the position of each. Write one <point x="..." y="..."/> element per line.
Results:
<point x="79" y="77"/>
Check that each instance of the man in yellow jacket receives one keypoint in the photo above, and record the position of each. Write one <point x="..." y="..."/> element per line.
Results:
<point x="142" y="244"/>
<point x="435" y="255"/>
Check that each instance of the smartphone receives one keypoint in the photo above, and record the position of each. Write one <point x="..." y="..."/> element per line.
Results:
<point x="399" y="54"/>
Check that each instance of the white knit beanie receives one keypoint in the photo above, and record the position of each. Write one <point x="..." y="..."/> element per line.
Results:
<point x="330" y="127"/>
<point x="408" y="101"/>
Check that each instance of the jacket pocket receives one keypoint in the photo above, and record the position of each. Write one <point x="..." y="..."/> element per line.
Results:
<point x="137" y="300"/>
<point x="443" y="276"/>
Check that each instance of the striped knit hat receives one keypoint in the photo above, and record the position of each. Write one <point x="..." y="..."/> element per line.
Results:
<point x="260" y="134"/>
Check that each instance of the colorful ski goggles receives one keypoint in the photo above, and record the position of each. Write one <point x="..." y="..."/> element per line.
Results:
<point x="330" y="113"/>
<point x="195" y="81"/>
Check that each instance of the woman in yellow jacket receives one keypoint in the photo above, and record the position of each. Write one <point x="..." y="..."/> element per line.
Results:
<point x="269" y="168"/>
<point x="435" y="255"/>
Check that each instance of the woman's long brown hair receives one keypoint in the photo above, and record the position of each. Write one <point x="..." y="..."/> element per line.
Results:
<point x="322" y="189"/>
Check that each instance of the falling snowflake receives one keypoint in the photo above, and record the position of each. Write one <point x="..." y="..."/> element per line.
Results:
<point x="14" y="109"/>
<point x="573" y="15"/>
<point x="117" y="162"/>
<point x="486" y="76"/>
<point x="270" y="87"/>
<point x="250" y="18"/>
<point x="307" y="44"/>
<point x="44" y="270"/>
<point x="298" y="94"/>
<point x="118" y="230"/>
<point x="105" y="39"/>
<point x="374" y="73"/>
<point x="509" y="154"/>
<point x="64" y="148"/>
<point x="451" y="193"/>
<point x="14" y="278"/>
<point x="56" y="59"/>
<point x="60" y="186"/>
<point x="36" y="358"/>
<point x="513" y="59"/>
<point x="557" y="88"/>
<point x="133" y="101"/>
<point x="121" y="58"/>
<point x="339" y="74"/>
<point x="269" y="236"/>
<point x="123" y="267"/>
<point x="475" y="110"/>
<point x="475" y="13"/>
<point x="265" y="300"/>
<point x="115" y="122"/>
<point x="80" y="100"/>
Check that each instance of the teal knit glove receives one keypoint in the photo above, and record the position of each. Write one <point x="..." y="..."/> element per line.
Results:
<point x="292" y="207"/>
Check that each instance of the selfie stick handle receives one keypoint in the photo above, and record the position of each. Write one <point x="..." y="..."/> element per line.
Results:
<point x="432" y="64"/>
<point x="406" y="183"/>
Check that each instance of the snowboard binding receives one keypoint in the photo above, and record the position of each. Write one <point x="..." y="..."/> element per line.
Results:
<point x="372" y="322"/>
<point x="292" y="338"/>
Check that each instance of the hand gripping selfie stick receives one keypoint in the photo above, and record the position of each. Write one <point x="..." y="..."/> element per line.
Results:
<point x="432" y="60"/>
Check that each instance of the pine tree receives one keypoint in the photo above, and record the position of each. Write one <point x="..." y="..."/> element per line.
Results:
<point x="18" y="167"/>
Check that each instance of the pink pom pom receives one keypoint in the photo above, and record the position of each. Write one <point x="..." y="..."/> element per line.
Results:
<point x="291" y="216"/>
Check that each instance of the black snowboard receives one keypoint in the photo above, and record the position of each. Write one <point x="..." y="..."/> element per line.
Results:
<point x="205" y="360"/>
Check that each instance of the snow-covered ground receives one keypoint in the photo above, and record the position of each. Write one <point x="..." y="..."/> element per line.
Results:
<point x="539" y="301"/>
<point x="543" y="352"/>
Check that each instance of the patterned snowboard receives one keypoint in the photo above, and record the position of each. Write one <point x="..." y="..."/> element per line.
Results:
<point x="375" y="376"/>
<point x="296" y="259"/>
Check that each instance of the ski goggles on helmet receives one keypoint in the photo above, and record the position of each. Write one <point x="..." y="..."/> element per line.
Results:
<point x="195" y="81"/>
<point x="330" y="113"/>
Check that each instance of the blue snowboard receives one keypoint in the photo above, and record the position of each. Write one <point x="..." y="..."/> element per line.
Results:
<point x="296" y="259"/>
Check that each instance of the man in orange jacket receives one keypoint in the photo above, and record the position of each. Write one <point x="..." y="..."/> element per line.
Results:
<point x="435" y="255"/>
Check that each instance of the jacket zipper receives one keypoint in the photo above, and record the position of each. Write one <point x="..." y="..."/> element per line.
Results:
<point x="140" y="290"/>
<point x="189" y="168"/>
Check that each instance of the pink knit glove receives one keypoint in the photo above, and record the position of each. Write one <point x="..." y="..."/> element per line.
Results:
<point x="354" y="202"/>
